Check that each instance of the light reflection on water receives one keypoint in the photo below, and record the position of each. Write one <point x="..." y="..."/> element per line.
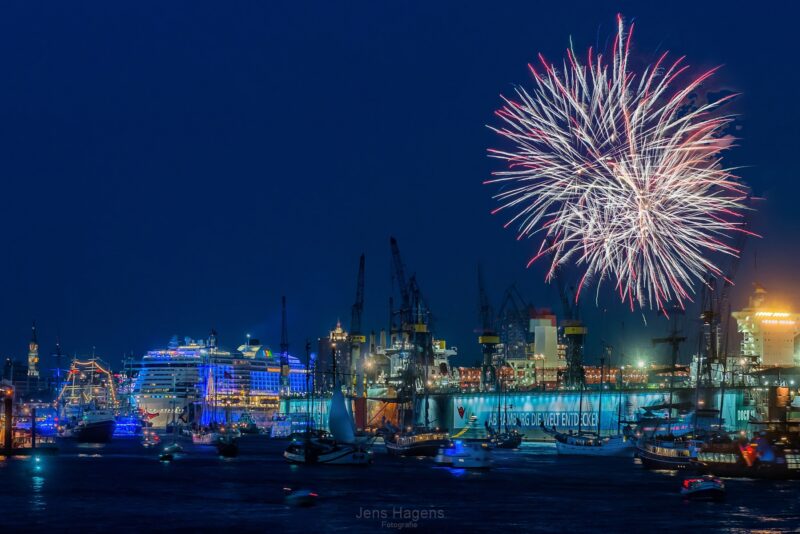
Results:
<point x="524" y="490"/>
<point x="37" y="501"/>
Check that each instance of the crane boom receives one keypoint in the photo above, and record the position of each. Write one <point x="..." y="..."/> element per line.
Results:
<point x="358" y="306"/>
<point x="400" y="275"/>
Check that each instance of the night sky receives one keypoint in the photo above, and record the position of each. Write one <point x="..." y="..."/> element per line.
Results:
<point x="173" y="167"/>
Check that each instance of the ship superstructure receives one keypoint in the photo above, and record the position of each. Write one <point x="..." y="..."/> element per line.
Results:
<point x="198" y="382"/>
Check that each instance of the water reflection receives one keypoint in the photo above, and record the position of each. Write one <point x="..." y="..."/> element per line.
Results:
<point x="37" y="501"/>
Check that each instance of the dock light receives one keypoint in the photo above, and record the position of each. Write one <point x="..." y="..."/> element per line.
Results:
<point x="640" y="364"/>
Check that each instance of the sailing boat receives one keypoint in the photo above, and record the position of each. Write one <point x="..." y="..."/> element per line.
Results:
<point x="344" y="448"/>
<point x="670" y="452"/>
<point x="510" y="438"/>
<point x="592" y="444"/>
<point x="417" y="441"/>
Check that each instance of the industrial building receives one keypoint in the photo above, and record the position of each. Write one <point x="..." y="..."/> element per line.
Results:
<point x="769" y="332"/>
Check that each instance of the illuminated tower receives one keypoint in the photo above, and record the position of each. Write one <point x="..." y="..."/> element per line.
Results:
<point x="768" y="332"/>
<point x="33" y="355"/>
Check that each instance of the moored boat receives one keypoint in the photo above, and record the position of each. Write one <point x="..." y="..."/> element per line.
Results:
<point x="771" y="453"/>
<point x="418" y="442"/>
<point x="96" y="426"/>
<point x="204" y="438"/>
<point x="342" y="448"/>
<point x="505" y="440"/>
<point x="592" y="445"/>
<point x="668" y="454"/>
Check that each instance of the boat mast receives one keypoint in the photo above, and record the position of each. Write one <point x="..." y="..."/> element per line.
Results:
<point x="505" y="405"/>
<point x="499" y="400"/>
<point x="309" y="402"/>
<point x="674" y="340"/>
<point x="174" y="400"/>
<point x="619" y="402"/>
<point x="600" y="400"/>
<point x="580" y="406"/>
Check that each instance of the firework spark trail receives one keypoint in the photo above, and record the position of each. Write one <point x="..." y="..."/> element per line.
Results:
<point x="620" y="176"/>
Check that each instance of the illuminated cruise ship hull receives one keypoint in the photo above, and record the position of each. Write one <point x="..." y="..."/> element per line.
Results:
<point x="199" y="384"/>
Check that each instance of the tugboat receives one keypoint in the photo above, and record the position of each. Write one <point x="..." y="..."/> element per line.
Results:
<point x="706" y="488"/>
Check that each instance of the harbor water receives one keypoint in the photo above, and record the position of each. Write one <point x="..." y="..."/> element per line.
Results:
<point x="122" y="487"/>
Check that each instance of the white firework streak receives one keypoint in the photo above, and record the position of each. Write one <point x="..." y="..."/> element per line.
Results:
<point x="621" y="176"/>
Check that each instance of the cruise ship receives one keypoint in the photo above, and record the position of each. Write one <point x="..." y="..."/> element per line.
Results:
<point x="197" y="382"/>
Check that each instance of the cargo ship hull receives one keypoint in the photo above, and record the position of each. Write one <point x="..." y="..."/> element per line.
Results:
<point x="467" y="415"/>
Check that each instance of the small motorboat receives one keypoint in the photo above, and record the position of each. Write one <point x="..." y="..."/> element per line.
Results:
<point x="301" y="498"/>
<point x="462" y="455"/>
<point x="166" y="457"/>
<point x="150" y="438"/>
<point x="173" y="448"/>
<point x="204" y="438"/>
<point x="705" y="488"/>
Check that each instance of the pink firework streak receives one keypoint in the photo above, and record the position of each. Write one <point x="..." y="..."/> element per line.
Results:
<point x="619" y="175"/>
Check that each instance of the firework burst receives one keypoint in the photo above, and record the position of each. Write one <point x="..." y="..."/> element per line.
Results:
<point x="619" y="174"/>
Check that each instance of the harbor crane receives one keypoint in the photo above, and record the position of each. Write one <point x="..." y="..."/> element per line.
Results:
<point x="412" y="323"/>
<point x="357" y="339"/>
<point x="715" y="315"/>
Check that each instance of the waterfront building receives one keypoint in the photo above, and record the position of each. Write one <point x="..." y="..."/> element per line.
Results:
<point x="15" y="372"/>
<point x="545" y="338"/>
<point x="334" y="346"/>
<point x="769" y="332"/>
<point x="33" y="356"/>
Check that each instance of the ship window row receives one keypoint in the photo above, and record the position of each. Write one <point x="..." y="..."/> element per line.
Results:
<point x="666" y="451"/>
<point x="717" y="457"/>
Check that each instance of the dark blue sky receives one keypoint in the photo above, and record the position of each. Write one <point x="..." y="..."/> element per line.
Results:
<point x="172" y="167"/>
